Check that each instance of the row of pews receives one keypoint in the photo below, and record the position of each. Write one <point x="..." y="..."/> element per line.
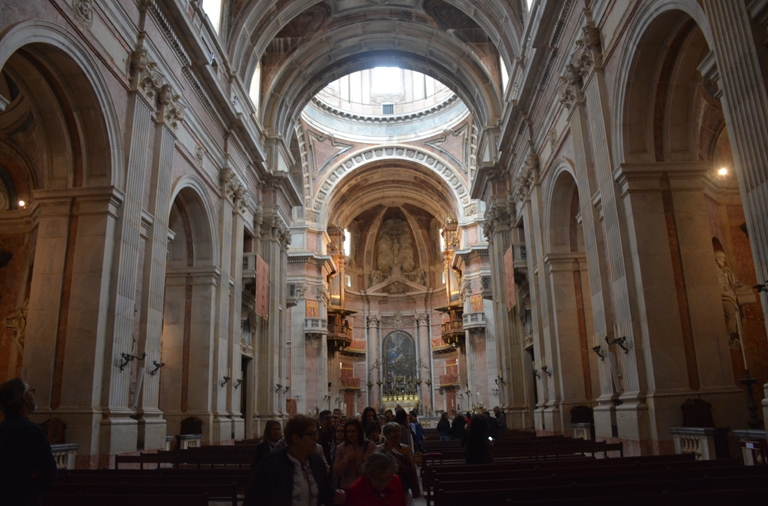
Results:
<point x="205" y="476"/>
<point x="528" y="470"/>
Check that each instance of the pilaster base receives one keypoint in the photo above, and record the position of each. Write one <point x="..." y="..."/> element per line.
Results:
<point x="117" y="434"/>
<point x="222" y="428"/>
<point x="605" y="419"/>
<point x="239" y="427"/>
<point x="151" y="431"/>
<point x="518" y="418"/>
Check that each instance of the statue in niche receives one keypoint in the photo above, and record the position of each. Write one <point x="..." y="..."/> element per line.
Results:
<point x="17" y="322"/>
<point x="734" y="295"/>
<point x="375" y="278"/>
<point x="395" y="249"/>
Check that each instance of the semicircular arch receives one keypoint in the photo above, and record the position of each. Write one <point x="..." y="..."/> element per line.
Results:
<point x="636" y="85"/>
<point x="434" y="164"/>
<point x="97" y="112"/>
<point x="192" y="192"/>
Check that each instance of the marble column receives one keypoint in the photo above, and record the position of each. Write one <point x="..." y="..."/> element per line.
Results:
<point x="594" y="246"/>
<point x="745" y="106"/>
<point x="118" y="431"/>
<point x="372" y="322"/>
<point x="152" y="426"/>
<point x="515" y="402"/>
<point x="234" y="352"/>
<point x="425" y="350"/>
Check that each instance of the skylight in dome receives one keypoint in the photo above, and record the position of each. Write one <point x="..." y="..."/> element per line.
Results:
<point x="386" y="81"/>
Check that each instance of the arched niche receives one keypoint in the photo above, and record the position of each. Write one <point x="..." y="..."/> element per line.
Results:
<point x="565" y="233"/>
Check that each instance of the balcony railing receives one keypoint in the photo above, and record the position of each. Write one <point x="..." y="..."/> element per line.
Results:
<point x="474" y="320"/>
<point x="315" y="326"/>
<point x="350" y="383"/>
<point x="449" y="380"/>
<point x="339" y="331"/>
<point x="438" y="345"/>
<point x="452" y="332"/>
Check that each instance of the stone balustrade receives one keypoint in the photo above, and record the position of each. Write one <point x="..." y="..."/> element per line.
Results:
<point x="699" y="441"/>
<point x="65" y="455"/>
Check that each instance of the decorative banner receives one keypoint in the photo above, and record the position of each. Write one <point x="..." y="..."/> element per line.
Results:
<point x="509" y="277"/>
<point x="476" y="302"/>
<point x="313" y="308"/>
<point x="262" y="288"/>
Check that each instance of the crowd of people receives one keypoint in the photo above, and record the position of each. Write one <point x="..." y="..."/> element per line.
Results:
<point x="370" y="459"/>
<point x="366" y="460"/>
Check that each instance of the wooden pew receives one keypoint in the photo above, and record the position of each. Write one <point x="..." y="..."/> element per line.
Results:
<point x="219" y="492"/>
<point x="146" y="500"/>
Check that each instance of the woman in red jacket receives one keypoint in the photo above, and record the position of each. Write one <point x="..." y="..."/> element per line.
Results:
<point x="378" y="486"/>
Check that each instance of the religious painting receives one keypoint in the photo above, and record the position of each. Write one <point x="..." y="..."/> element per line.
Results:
<point x="262" y="288"/>
<point x="509" y="277"/>
<point x="399" y="356"/>
<point x="313" y="309"/>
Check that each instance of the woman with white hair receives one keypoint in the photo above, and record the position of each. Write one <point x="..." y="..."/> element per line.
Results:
<point x="404" y="457"/>
<point x="379" y="485"/>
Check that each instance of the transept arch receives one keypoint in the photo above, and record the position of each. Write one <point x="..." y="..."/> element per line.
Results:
<point x="452" y="179"/>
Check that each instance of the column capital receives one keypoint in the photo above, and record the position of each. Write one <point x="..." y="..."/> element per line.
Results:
<point x="372" y="321"/>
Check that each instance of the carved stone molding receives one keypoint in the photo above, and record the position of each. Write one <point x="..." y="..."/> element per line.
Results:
<point x="300" y="290"/>
<point x="527" y="177"/>
<point x="171" y="110"/>
<point x="83" y="12"/>
<point x="580" y="64"/>
<point x="145" y="78"/>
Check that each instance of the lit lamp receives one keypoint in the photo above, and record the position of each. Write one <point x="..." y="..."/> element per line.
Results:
<point x="722" y="171"/>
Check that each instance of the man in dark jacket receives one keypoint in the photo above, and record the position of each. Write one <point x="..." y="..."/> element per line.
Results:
<point x="295" y="475"/>
<point x="457" y="427"/>
<point x="27" y="465"/>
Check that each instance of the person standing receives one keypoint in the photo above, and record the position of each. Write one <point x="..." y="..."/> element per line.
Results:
<point x="477" y="448"/>
<point x="351" y="455"/>
<point x="296" y="475"/>
<point x="378" y="485"/>
<point x="325" y="434"/>
<point x="444" y="427"/>
<point x="501" y="419"/>
<point x="404" y="457"/>
<point x="27" y="465"/>
<point x="457" y="427"/>
<point x="271" y="441"/>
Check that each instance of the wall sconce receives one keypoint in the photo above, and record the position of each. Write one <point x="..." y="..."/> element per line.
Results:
<point x="128" y="358"/>
<point x="545" y="370"/>
<point x="326" y="397"/>
<point x="620" y="341"/>
<point x="226" y="379"/>
<point x="599" y="350"/>
<point x="378" y="382"/>
<point x="428" y="382"/>
<point x="369" y="384"/>
<point x="499" y="380"/>
<point x="762" y="288"/>
<point x="536" y="373"/>
<point x="285" y="389"/>
<point x="157" y="367"/>
<point x="238" y="383"/>
<point x="278" y="386"/>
